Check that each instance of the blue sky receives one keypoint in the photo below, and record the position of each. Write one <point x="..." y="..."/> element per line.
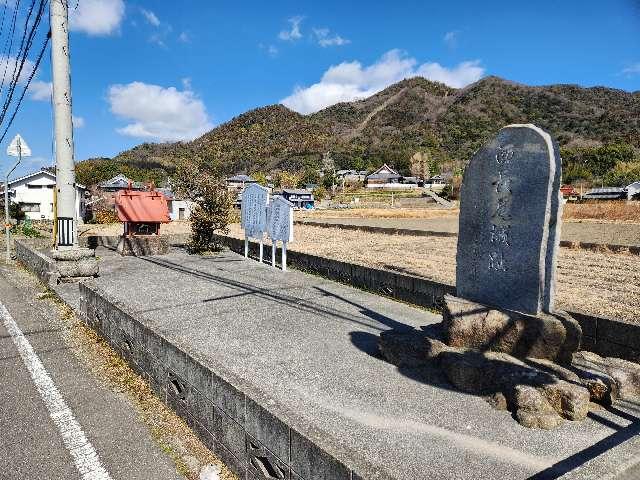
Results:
<point x="165" y="70"/>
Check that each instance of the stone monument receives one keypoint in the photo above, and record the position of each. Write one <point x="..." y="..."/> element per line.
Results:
<point x="280" y="227"/>
<point x="253" y="215"/>
<point x="507" y="248"/>
<point x="501" y="336"/>
<point x="509" y="229"/>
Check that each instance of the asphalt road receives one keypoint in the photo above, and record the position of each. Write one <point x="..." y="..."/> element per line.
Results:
<point x="57" y="421"/>
<point x="589" y="232"/>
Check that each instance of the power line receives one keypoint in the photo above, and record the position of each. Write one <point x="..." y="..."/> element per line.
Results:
<point x="26" y="87"/>
<point x="25" y="45"/>
<point x="9" y="44"/>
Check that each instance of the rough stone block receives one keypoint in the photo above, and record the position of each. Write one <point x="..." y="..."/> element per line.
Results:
<point x="471" y="325"/>
<point x="533" y="410"/>
<point x="409" y="349"/>
<point x="569" y="400"/>
<point x="268" y="429"/>
<point x="311" y="462"/>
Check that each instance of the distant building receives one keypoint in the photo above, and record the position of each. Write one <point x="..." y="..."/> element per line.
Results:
<point x="34" y="194"/>
<point x="387" y="177"/>
<point x="633" y="191"/>
<point x="179" y="209"/>
<point x="120" y="182"/>
<point x="351" y="176"/>
<point x="302" y="199"/>
<point x="437" y="183"/>
<point x="238" y="182"/>
<point x="610" y="193"/>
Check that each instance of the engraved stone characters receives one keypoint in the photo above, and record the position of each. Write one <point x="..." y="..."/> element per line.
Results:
<point x="280" y="227"/>
<point x="253" y="216"/>
<point x="509" y="229"/>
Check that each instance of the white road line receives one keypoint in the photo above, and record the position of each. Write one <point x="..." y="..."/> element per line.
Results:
<point x="84" y="455"/>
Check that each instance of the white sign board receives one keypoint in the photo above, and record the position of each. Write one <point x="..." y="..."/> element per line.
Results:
<point x="280" y="220"/>
<point x="18" y="147"/>
<point x="254" y="210"/>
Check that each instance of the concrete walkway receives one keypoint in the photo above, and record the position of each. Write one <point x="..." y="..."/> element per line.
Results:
<point x="587" y="232"/>
<point x="308" y="346"/>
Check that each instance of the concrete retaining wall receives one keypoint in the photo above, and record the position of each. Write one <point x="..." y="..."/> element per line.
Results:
<point x="249" y="437"/>
<point x="27" y="254"/>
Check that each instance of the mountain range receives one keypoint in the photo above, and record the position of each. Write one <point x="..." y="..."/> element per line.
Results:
<point x="414" y="115"/>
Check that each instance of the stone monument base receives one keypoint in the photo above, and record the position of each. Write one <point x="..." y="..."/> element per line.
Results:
<point x="539" y="392"/>
<point x="467" y="324"/>
<point x="76" y="263"/>
<point x="529" y="365"/>
<point x="142" y="245"/>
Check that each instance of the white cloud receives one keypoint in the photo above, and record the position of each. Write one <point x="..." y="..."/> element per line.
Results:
<point x="271" y="50"/>
<point x="184" y="37"/>
<point x="97" y="17"/>
<point x="150" y="17"/>
<point x="350" y="81"/>
<point x="39" y="90"/>
<point x="294" y="33"/>
<point x="9" y="65"/>
<point x="451" y="38"/>
<point x="158" y="39"/>
<point x="157" y="113"/>
<point x="632" y="70"/>
<point x="78" y="122"/>
<point x="325" y="39"/>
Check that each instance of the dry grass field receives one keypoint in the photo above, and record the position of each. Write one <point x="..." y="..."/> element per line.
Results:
<point x="605" y="284"/>
<point x="603" y="211"/>
<point x="620" y="211"/>
<point x="379" y="213"/>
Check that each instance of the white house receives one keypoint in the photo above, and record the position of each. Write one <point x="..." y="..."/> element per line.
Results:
<point x="34" y="194"/>
<point x="387" y="177"/>
<point x="179" y="209"/>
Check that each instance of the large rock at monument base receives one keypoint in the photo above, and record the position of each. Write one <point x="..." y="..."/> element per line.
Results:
<point x="409" y="349"/>
<point x="538" y="398"/>
<point x="570" y="400"/>
<point x="533" y="410"/>
<point x="469" y="324"/>
<point x="608" y="378"/>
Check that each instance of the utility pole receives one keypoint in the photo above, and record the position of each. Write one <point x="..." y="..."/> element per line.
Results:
<point x="67" y="237"/>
